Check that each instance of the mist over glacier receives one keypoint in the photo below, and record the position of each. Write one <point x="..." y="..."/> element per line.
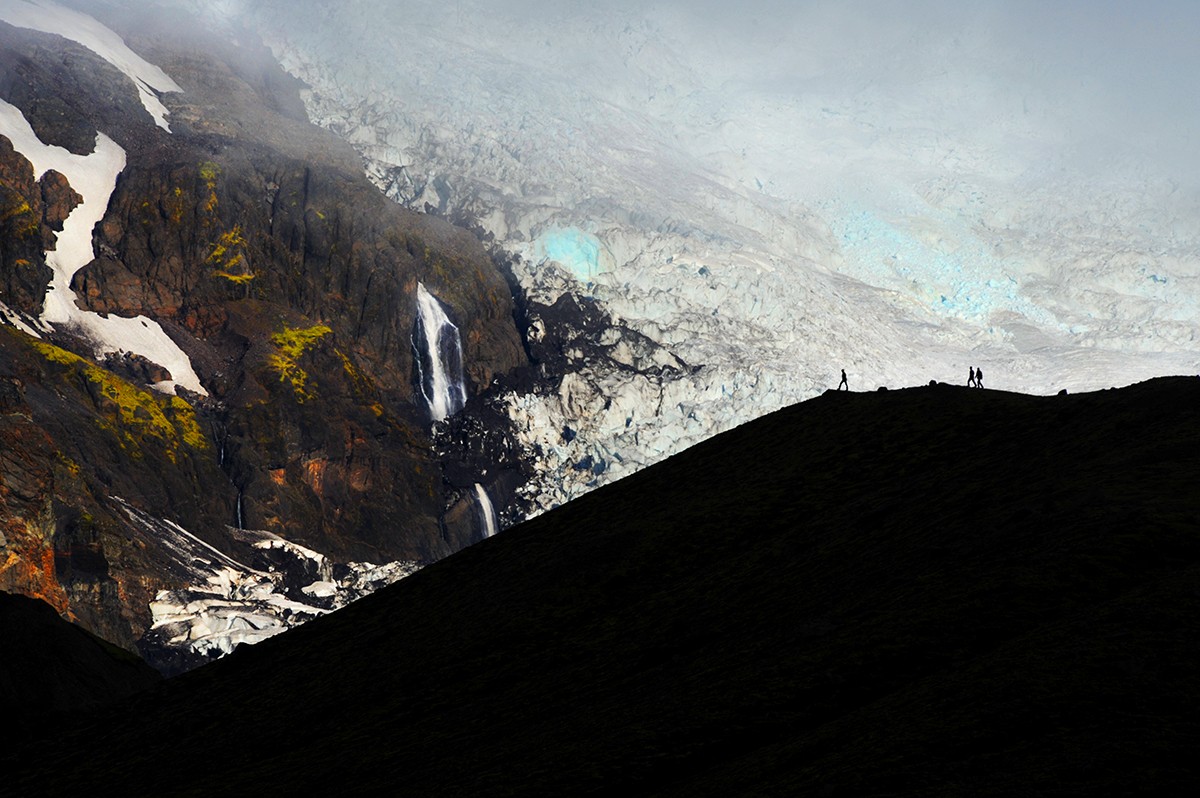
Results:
<point x="1008" y="176"/>
<point x="779" y="190"/>
<point x="708" y="214"/>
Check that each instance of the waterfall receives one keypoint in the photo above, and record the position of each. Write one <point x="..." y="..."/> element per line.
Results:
<point x="438" y="351"/>
<point x="487" y="510"/>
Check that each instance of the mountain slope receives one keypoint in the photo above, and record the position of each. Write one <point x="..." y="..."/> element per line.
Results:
<point x="219" y="335"/>
<point x="934" y="590"/>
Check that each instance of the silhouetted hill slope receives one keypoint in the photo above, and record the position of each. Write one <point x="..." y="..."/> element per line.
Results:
<point x="50" y="665"/>
<point x="928" y="591"/>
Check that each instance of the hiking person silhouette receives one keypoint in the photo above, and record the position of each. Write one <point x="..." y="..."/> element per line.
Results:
<point x="971" y="379"/>
<point x="843" y="382"/>
<point x="978" y="378"/>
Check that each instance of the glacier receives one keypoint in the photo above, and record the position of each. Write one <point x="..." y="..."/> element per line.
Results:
<point x="580" y="252"/>
<point x="805" y="191"/>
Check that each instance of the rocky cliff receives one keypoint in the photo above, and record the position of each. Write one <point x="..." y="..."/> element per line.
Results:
<point x="288" y="283"/>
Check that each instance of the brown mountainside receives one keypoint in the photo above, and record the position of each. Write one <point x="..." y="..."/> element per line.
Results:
<point x="253" y="238"/>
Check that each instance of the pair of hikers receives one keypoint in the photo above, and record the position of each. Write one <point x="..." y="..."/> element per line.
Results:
<point x="973" y="381"/>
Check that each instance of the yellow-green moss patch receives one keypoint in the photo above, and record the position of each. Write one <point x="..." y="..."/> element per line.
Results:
<point x="363" y="384"/>
<point x="24" y="222"/>
<point x="292" y="343"/>
<point x="209" y="172"/>
<point x="135" y="416"/>
<point x="16" y="209"/>
<point x="228" y="256"/>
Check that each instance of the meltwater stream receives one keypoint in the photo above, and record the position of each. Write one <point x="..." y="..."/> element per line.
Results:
<point x="486" y="510"/>
<point x="439" y="358"/>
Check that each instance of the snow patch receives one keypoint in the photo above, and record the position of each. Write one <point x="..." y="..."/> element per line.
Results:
<point x="17" y="320"/>
<point x="49" y="17"/>
<point x="227" y="602"/>
<point x="94" y="177"/>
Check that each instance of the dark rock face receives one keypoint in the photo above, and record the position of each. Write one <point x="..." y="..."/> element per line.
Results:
<point x="288" y="280"/>
<point x="76" y="435"/>
<point x="58" y="199"/>
<point x="66" y="92"/>
<point x="24" y="231"/>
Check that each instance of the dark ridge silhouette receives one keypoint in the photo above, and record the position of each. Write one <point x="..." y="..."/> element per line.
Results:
<point x="50" y="666"/>
<point x="929" y="591"/>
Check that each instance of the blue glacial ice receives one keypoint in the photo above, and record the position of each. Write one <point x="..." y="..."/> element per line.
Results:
<point x="574" y="249"/>
<point x="953" y="273"/>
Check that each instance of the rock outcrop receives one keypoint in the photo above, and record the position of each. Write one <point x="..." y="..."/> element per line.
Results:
<point x="28" y="213"/>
